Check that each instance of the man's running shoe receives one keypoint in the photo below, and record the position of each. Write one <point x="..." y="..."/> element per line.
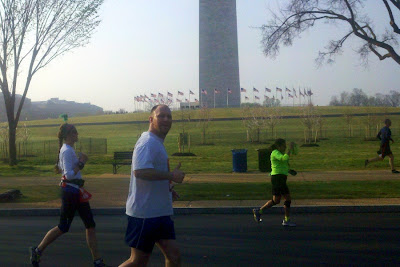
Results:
<point x="366" y="163"/>
<point x="35" y="256"/>
<point x="395" y="171"/>
<point x="99" y="263"/>
<point x="288" y="223"/>
<point x="257" y="215"/>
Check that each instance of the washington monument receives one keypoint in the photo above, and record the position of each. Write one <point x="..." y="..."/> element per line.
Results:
<point x="218" y="54"/>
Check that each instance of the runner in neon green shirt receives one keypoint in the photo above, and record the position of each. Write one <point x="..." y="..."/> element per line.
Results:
<point x="279" y="173"/>
<point x="279" y="162"/>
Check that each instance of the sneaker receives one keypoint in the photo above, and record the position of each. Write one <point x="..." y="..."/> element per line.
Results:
<point x="288" y="223"/>
<point x="257" y="215"/>
<point x="99" y="263"/>
<point x="366" y="163"/>
<point x="35" y="256"/>
<point x="395" y="171"/>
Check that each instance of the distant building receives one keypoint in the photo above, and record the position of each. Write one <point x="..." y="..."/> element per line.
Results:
<point x="218" y="54"/>
<point x="51" y="108"/>
<point x="191" y="105"/>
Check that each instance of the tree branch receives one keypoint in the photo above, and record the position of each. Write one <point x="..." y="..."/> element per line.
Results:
<point x="392" y="22"/>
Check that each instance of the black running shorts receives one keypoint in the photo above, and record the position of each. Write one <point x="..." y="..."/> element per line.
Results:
<point x="385" y="150"/>
<point x="71" y="204"/>
<point x="279" y="186"/>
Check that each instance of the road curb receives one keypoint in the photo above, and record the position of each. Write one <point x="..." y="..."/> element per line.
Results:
<point x="215" y="210"/>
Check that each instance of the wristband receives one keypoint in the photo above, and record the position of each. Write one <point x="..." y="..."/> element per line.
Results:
<point x="81" y="165"/>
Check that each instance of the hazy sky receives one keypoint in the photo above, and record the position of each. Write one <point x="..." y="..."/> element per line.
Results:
<point x="151" y="46"/>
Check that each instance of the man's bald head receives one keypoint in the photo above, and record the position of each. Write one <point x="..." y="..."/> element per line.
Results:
<point x="160" y="120"/>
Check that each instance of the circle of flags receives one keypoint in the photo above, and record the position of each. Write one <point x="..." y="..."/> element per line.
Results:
<point x="301" y="96"/>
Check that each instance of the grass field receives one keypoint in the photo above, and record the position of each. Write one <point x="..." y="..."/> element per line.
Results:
<point x="335" y="150"/>
<point x="234" y="191"/>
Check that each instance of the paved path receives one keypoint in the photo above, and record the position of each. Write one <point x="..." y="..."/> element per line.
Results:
<point x="222" y="240"/>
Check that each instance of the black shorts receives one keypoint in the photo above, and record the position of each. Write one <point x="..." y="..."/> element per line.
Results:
<point x="279" y="186"/>
<point x="384" y="150"/>
<point x="71" y="204"/>
<point x="142" y="233"/>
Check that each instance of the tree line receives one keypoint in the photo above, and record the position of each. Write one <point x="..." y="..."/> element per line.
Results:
<point x="359" y="98"/>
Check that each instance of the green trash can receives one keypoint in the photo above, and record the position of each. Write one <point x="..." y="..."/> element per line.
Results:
<point x="264" y="160"/>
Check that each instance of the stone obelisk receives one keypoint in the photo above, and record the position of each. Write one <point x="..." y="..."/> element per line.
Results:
<point x="218" y="54"/>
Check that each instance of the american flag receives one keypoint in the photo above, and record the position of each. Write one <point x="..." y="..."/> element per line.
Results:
<point x="204" y="91"/>
<point x="268" y="90"/>
<point x="161" y="95"/>
<point x="246" y="98"/>
<point x="190" y="92"/>
<point x="255" y="90"/>
<point x="178" y="100"/>
<point x="153" y="95"/>
<point x="196" y="100"/>
<point x="289" y="95"/>
<point x="278" y="89"/>
<point x="169" y="94"/>
<point x="242" y="90"/>
<point x="266" y="97"/>
<point x="288" y="90"/>
<point x="256" y="97"/>
<point x="229" y="91"/>
<point x="180" y="93"/>
<point x="216" y="91"/>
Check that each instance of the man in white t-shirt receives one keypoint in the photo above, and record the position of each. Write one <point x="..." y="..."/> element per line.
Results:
<point x="149" y="203"/>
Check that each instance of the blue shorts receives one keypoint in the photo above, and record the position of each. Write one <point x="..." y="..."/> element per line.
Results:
<point x="142" y="234"/>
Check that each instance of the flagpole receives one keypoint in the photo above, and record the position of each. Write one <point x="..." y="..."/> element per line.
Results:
<point x="227" y="98"/>
<point x="214" y="97"/>
<point x="189" y="99"/>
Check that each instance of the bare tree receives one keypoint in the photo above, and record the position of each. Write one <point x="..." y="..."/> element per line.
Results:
<point x="394" y="98"/>
<point x="254" y="120"/>
<point x="184" y="137"/>
<point x="32" y="34"/>
<point x="205" y="117"/>
<point x="310" y="120"/>
<point x="300" y="15"/>
<point x="273" y="118"/>
<point x="349" y="118"/>
<point x="371" y="124"/>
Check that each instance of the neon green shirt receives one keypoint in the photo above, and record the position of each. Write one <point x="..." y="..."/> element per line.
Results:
<point x="279" y="163"/>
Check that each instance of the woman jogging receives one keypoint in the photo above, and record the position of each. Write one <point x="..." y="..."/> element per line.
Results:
<point x="280" y="170"/>
<point x="74" y="198"/>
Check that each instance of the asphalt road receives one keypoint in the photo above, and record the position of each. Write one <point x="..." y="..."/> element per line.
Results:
<point x="362" y="239"/>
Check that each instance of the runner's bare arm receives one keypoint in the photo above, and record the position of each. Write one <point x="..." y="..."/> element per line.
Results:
<point x="176" y="175"/>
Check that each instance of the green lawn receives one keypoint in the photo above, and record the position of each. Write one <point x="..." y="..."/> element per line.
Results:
<point x="247" y="191"/>
<point x="336" y="151"/>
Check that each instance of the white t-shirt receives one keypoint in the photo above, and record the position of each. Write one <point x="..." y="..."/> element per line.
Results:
<point x="68" y="161"/>
<point x="149" y="199"/>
